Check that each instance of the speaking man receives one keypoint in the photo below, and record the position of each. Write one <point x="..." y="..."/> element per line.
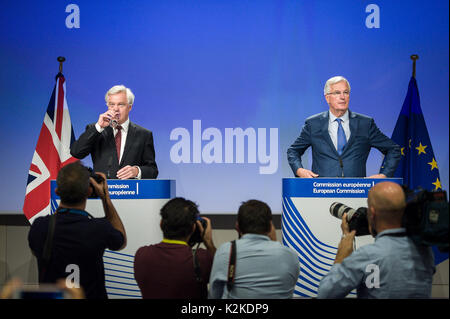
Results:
<point x="341" y="139"/>
<point x="118" y="147"/>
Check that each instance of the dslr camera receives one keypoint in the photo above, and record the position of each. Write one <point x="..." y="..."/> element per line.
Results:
<point x="425" y="218"/>
<point x="197" y="236"/>
<point x="99" y="179"/>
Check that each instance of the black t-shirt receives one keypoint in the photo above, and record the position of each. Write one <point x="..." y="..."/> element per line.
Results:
<point x="78" y="240"/>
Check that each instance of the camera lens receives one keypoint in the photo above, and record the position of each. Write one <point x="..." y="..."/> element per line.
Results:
<point x="338" y="210"/>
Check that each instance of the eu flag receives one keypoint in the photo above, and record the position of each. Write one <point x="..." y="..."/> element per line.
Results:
<point x="418" y="166"/>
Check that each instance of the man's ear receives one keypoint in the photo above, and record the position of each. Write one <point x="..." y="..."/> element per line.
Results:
<point x="90" y="191"/>
<point x="56" y="191"/>
<point x="236" y="226"/>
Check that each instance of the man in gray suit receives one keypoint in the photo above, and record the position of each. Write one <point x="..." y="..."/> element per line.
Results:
<point x="119" y="148"/>
<point x="341" y="140"/>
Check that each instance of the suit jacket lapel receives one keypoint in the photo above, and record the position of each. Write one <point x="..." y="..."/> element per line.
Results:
<point x="325" y="119"/>
<point x="111" y="142"/>
<point x="128" y="144"/>
<point x="353" y="129"/>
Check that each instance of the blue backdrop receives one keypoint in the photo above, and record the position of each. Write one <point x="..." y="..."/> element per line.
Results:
<point x="221" y="64"/>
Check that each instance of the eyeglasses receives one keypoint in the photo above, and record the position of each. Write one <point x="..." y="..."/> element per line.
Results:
<point x="111" y="105"/>
<point x="338" y="93"/>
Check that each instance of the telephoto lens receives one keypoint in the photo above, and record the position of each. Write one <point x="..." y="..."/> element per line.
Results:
<point x="357" y="219"/>
<point x="338" y="210"/>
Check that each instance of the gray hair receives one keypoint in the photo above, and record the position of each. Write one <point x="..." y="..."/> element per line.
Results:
<point x="120" y="88"/>
<point x="334" y="80"/>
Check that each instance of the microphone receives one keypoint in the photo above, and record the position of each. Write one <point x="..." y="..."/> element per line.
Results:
<point x="341" y="164"/>
<point x="109" y="167"/>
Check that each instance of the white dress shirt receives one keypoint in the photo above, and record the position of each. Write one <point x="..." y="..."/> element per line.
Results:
<point x="123" y="140"/>
<point x="333" y="127"/>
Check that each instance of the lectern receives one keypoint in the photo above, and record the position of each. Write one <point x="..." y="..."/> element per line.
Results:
<point x="310" y="229"/>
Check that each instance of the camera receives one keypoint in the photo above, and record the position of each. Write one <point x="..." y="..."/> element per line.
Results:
<point x="197" y="236"/>
<point x="99" y="179"/>
<point x="357" y="219"/>
<point x="425" y="218"/>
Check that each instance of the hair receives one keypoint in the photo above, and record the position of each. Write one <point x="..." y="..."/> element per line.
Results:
<point x="120" y="88"/>
<point x="254" y="217"/>
<point x="334" y="80"/>
<point x="177" y="217"/>
<point x="73" y="183"/>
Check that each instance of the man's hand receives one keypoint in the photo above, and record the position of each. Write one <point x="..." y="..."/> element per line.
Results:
<point x="207" y="235"/>
<point x="10" y="288"/>
<point x="108" y="207"/>
<point x="345" y="247"/>
<point x="105" y="118"/>
<point x="378" y="176"/>
<point x="127" y="172"/>
<point x="305" y="173"/>
<point x="100" y="188"/>
<point x="74" y="293"/>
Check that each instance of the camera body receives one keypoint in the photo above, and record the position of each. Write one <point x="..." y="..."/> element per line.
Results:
<point x="426" y="217"/>
<point x="197" y="236"/>
<point x="99" y="179"/>
<point x="357" y="219"/>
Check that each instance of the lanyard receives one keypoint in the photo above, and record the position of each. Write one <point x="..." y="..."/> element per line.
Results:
<point x="73" y="211"/>
<point x="171" y="241"/>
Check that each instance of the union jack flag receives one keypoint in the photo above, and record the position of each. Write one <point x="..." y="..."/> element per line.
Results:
<point x="52" y="152"/>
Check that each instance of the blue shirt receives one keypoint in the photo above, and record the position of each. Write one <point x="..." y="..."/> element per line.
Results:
<point x="391" y="267"/>
<point x="264" y="269"/>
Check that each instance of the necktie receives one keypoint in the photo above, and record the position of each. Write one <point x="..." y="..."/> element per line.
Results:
<point x="118" y="139"/>
<point x="341" y="139"/>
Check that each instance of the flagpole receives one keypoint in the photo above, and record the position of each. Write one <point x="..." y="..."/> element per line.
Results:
<point x="61" y="59"/>
<point x="414" y="57"/>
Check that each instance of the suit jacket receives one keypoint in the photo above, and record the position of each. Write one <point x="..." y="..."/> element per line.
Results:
<point x="139" y="150"/>
<point x="364" y="134"/>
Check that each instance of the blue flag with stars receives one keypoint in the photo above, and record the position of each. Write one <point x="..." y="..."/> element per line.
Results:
<point x="418" y="166"/>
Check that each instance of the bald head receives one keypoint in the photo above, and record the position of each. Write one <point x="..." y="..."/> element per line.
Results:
<point x="388" y="200"/>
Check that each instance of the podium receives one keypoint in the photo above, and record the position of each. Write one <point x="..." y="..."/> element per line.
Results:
<point x="308" y="227"/>
<point x="138" y="203"/>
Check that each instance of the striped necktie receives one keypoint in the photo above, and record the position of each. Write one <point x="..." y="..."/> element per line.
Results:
<point x="118" y="139"/>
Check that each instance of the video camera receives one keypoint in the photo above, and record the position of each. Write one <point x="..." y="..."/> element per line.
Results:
<point x="426" y="217"/>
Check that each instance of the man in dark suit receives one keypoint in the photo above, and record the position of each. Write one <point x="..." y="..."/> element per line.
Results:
<point x="341" y="140"/>
<point x="118" y="147"/>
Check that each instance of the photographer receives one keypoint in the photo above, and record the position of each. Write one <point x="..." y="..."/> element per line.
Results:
<point x="71" y="242"/>
<point x="171" y="269"/>
<point x="393" y="266"/>
<point x="262" y="267"/>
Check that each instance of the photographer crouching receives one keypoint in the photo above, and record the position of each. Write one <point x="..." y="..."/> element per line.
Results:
<point x="394" y="266"/>
<point x="171" y="268"/>
<point x="70" y="243"/>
